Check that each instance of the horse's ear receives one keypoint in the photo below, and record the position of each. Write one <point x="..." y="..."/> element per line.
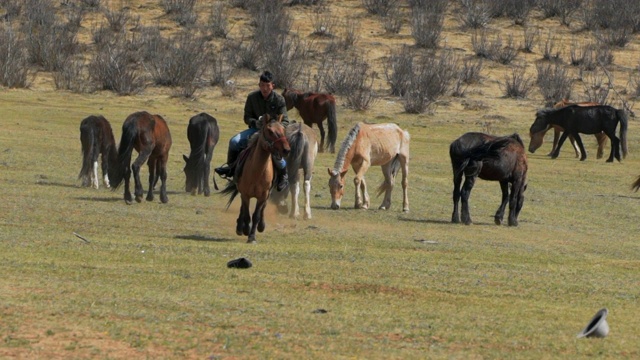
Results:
<point x="280" y="117"/>
<point x="185" y="157"/>
<point x="342" y="174"/>
<point x="330" y="172"/>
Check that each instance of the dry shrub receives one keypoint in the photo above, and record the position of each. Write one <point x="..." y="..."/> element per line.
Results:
<point x="554" y="82"/>
<point x="73" y="76"/>
<point x="426" y="27"/>
<point x="286" y="59"/>
<point x="531" y="37"/>
<point x="594" y="88"/>
<point x="217" y="23"/>
<point x="14" y="62"/>
<point x="322" y="21"/>
<point x="392" y="23"/>
<point x="474" y="14"/>
<point x="399" y="71"/>
<point x="379" y="7"/>
<point x="549" y="53"/>
<point x="517" y="84"/>
<point x="351" y="77"/>
<point x="12" y="8"/>
<point x="111" y="68"/>
<point x="432" y="78"/>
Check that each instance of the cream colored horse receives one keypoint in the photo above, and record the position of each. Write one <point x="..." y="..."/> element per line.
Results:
<point x="366" y="145"/>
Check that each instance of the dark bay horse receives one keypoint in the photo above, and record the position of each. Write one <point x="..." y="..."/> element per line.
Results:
<point x="576" y="119"/>
<point x="97" y="139"/>
<point x="493" y="158"/>
<point x="313" y="109"/>
<point x="203" y="135"/>
<point x="636" y="185"/>
<point x="150" y="136"/>
<point x="385" y="145"/>
<point x="538" y="138"/>
<point x="254" y="174"/>
<point x="304" y="149"/>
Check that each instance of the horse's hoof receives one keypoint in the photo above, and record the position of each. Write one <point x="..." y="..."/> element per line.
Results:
<point x="261" y="227"/>
<point x="138" y="199"/>
<point x="382" y="207"/>
<point x="513" y="223"/>
<point x="252" y="239"/>
<point x="497" y="221"/>
<point x="128" y="202"/>
<point x="149" y="198"/>
<point x="164" y="200"/>
<point x="406" y="210"/>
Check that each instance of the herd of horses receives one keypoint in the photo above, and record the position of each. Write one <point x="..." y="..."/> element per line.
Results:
<point x="473" y="155"/>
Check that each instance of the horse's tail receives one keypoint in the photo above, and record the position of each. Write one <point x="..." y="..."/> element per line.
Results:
<point x="89" y="147"/>
<point x="395" y="167"/>
<point x="624" y="123"/>
<point x="636" y="185"/>
<point x="117" y="171"/>
<point x="230" y="190"/>
<point x="332" y="121"/>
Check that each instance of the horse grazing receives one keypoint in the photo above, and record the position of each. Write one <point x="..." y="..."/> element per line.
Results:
<point x="313" y="109"/>
<point x="385" y="145"/>
<point x="538" y="138"/>
<point x="576" y="119"/>
<point x="97" y="139"/>
<point x="304" y="149"/>
<point x="203" y="135"/>
<point x="150" y="136"/>
<point x="493" y="158"/>
<point x="254" y="174"/>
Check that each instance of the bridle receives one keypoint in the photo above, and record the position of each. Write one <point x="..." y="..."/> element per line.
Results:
<point x="271" y="143"/>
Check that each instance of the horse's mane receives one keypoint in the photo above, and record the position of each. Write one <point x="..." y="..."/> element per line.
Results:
<point x="346" y="145"/>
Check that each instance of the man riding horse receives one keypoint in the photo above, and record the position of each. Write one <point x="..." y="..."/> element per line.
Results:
<point x="259" y="102"/>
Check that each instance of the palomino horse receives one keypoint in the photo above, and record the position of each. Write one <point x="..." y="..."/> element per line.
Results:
<point x="203" y="135"/>
<point x="304" y="149"/>
<point x="97" y="139"/>
<point x="576" y="119"/>
<point x="538" y="138"/>
<point x="488" y="157"/>
<point x="150" y="136"/>
<point x="385" y="145"/>
<point x="254" y="174"/>
<point x="313" y="109"/>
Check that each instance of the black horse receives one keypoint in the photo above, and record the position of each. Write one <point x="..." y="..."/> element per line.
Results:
<point x="97" y="139"/>
<point x="203" y="135"/>
<point x="493" y="158"/>
<point x="576" y="119"/>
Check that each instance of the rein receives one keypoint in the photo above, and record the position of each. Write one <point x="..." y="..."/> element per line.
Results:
<point x="272" y="143"/>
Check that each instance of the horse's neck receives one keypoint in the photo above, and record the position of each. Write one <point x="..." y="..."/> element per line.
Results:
<point x="348" y="157"/>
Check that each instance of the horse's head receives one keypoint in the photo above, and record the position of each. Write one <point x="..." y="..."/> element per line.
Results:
<point x="190" y="171"/>
<point x="537" y="130"/>
<point x="274" y="137"/>
<point x="336" y="187"/>
<point x="290" y="97"/>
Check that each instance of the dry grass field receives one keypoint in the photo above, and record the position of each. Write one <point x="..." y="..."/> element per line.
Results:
<point x="151" y="280"/>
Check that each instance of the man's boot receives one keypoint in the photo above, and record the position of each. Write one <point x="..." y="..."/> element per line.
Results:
<point x="227" y="170"/>
<point x="282" y="179"/>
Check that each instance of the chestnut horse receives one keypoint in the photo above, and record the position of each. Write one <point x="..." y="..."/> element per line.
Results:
<point x="254" y="174"/>
<point x="97" y="139"/>
<point x="576" y="119"/>
<point x="304" y="149"/>
<point x="313" y="109"/>
<point x="494" y="158"/>
<point x="385" y="145"/>
<point x="538" y="138"/>
<point x="203" y="135"/>
<point x="150" y="136"/>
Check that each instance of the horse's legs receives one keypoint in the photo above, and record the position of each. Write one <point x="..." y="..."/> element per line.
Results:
<point x="94" y="174"/>
<point x="307" y="199"/>
<point x="388" y="186"/>
<point x="162" y="173"/>
<point x="242" y="224"/>
<point x="465" y="193"/>
<point x="143" y="156"/>
<point x="257" y="220"/>
<point x="578" y="140"/>
<point x="516" y="201"/>
<point x="153" y="167"/>
<point x="404" y="162"/>
<point x="504" y="186"/>
<point x="556" y="151"/>
<point x="105" y="169"/>
<point x="576" y="148"/>
<point x="556" y="136"/>
<point x="615" y="148"/>
<point x="294" y="190"/>
<point x="127" y="180"/>
<point x="602" y="141"/>
<point x="457" y="180"/>
<point x="205" y="180"/>
<point x="365" y="194"/>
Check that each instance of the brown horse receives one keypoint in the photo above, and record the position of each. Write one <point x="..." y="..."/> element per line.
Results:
<point x="636" y="185"/>
<point x="150" y="136"/>
<point x="203" y="135"/>
<point x="488" y="157"/>
<point x="538" y="138"/>
<point x="254" y="174"/>
<point x="97" y="139"/>
<point x="385" y="145"/>
<point x="304" y="149"/>
<point x="313" y="109"/>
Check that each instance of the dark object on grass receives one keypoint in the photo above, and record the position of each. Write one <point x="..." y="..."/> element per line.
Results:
<point x="597" y="327"/>
<point x="240" y="263"/>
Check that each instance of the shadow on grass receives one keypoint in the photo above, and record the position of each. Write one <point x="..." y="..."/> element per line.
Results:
<point x="52" y="183"/>
<point x="201" y="238"/>
<point x="99" y="199"/>
<point x="433" y="221"/>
